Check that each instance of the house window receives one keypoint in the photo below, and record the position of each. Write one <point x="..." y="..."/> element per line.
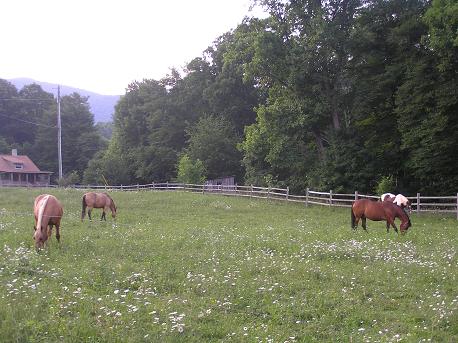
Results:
<point x="18" y="166"/>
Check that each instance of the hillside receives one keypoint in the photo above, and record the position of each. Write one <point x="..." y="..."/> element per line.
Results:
<point x="102" y="106"/>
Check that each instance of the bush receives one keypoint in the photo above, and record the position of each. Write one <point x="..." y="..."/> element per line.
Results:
<point x="69" y="179"/>
<point x="190" y="171"/>
<point x="385" y="185"/>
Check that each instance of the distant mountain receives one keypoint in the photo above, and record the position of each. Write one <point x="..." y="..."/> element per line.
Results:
<point x="101" y="105"/>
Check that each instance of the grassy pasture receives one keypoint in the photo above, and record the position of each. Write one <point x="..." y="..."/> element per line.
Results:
<point x="203" y="268"/>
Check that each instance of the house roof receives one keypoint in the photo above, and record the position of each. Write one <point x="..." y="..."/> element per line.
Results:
<point x="8" y="165"/>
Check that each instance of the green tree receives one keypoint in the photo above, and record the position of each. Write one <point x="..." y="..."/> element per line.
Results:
<point x="21" y="113"/>
<point x="9" y="110"/>
<point x="147" y="133"/>
<point x="301" y="59"/>
<point x="80" y="139"/>
<point x="4" y="146"/>
<point x="189" y="171"/>
<point x="213" y="141"/>
<point x="442" y="21"/>
<point x="230" y="94"/>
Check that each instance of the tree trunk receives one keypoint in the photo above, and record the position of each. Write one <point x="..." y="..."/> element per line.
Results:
<point x="319" y="143"/>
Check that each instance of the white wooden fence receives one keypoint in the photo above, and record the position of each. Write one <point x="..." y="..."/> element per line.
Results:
<point x="420" y="203"/>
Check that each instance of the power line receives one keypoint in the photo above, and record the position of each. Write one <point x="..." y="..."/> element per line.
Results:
<point x="19" y="99"/>
<point x="28" y="122"/>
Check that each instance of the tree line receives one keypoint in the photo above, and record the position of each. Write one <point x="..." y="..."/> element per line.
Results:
<point x="343" y="95"/>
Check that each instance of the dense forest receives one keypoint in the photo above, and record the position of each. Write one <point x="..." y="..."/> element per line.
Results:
<point x="343" y="95"/>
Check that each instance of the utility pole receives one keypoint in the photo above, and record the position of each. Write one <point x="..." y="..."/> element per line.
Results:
<point x="59" y="133"/>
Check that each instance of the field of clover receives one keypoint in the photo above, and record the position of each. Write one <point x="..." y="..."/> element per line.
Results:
<point x="188" y="267"/>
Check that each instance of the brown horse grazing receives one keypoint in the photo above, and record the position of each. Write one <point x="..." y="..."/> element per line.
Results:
<point x="97" y="200"/>
<point x="48" y="212"/>
<point x="376" y="210"/>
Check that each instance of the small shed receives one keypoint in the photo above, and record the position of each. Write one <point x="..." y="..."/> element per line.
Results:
<point x="19" y="170"/>
<point x="226" y="183"/>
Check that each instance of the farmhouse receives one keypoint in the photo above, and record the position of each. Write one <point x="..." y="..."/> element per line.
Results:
<point x="19" y="170"/>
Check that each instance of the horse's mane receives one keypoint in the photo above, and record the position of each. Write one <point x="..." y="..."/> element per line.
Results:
<point x="401" y="212"/>
<point x="112" y="201"/>
<point x="44" y="201"/>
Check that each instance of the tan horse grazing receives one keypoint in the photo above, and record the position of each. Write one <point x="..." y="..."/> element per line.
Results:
<point x="48" y="212"/>
<point x="376" y="210"/>
<point x="97" y="200"/>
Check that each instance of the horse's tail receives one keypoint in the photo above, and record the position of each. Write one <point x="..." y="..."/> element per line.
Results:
<point x="353" y="218"/>
<point x="83" y="211"/>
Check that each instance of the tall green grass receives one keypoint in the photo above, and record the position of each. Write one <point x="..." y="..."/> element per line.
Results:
<point x="204" y="268"/>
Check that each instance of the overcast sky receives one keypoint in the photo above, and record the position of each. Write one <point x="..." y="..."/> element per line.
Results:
<point x="103" y="45"/>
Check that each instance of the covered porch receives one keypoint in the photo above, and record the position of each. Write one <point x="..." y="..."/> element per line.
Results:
<point x="25" y="179"/>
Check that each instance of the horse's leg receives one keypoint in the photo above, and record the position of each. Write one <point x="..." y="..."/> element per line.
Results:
<point x="103" y="215"/>
<point x="58" y="232"/>
<point x="356" y="223"/>
<point x="391" y="222"/>
<point x="89" y="211"/>
<point x="387" y="227"/>
<point x="49" y="231"/>
<point x="363" y="222"/>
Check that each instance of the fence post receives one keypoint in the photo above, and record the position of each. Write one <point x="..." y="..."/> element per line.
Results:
<point x="330" y="198"/>
<point x="356" y="195"/>
<point x="138" y="187"/>
<point x="167" y="185"/>
<point x="121" y="188"/>
<point x="203" y="188"/>
<point x="456" y="206"/>
<point x="307" y="197"/>
<point x="287" y="193"/>
<point x="251" y="194"/>
<point x="418" y="203"/>
<point x="154" y="185"/>
<point x="268" y="192"/>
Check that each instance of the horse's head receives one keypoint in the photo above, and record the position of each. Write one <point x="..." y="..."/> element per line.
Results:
<point x="113" y="209"/>
<point x="39" y="238"/>
<point x="405" y="225"/>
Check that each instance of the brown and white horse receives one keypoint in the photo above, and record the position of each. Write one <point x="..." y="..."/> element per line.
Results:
<point x="97" y="200"/>
<point x="48" y="213"/>
<point x="388" y="197"/>
<point x="377" y="211"/>
<point x="399" y="200"/>
<point x="402" y="201"/>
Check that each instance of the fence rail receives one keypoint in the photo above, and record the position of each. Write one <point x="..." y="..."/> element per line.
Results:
<point x="419" y="203"/>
